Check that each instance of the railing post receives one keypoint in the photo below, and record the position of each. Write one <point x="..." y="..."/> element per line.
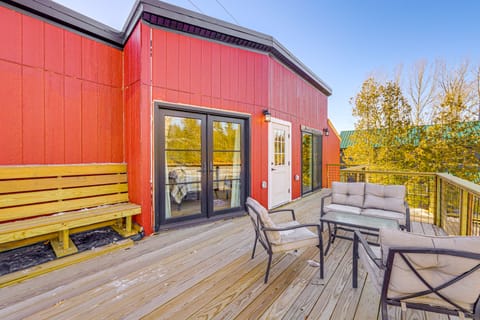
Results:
<point x="438" y="198"/>
<point x="463" y="212"/>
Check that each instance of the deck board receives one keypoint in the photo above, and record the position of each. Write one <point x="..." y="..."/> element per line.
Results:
<point x="205" y="272"/>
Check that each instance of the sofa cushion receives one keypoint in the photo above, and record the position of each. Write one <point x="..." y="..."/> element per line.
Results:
<point x="434" y="268"/>
<point x="341" y="208"/>
<point x="348" y="193"/>
<point x="390" y="198"/>
<point x="273" y="236"/>
<point x="400" y="217"/>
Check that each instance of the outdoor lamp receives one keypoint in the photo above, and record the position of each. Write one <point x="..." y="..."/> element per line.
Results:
<point x="325" y="132"/>
<point x="267" y="116"/>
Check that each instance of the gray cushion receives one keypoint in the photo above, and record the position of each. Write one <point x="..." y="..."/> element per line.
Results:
<point x="273" y="236"/>
<point x="348" y="193"/>
<point x="390" y="197"/>
<point x="341" y="208"/>
<point x="436" y="269"/>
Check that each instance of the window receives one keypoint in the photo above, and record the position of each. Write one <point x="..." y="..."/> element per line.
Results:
<point x="279" y="147"/>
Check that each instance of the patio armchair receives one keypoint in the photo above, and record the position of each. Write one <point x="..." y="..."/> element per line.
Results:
<point x="282" y="237"/>
<point x="434" y="274"/>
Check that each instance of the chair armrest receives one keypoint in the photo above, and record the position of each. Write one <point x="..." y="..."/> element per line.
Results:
<point x="297" y="226"/>
<point x="285" y="210"/>
<point x="359" y="238"/>
<point x="323" y="198"/>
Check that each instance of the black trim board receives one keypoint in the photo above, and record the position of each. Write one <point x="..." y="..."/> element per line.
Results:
<point x="151" y="11"/>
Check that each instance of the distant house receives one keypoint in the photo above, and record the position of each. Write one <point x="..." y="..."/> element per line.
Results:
<point x="204" y="112"/>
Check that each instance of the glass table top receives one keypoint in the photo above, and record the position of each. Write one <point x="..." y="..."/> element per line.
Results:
<point x="360" y="221"/>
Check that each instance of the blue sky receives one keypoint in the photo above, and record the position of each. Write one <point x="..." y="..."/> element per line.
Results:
<point x="341" y="41"/>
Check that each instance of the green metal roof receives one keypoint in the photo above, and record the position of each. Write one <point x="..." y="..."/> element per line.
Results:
<point x="413" y="133"/>
<point x="345" y="139"/>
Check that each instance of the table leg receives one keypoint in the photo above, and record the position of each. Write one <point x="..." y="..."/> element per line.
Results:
<point x="330" y="240"/>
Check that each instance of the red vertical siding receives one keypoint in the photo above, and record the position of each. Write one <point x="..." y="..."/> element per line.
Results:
<point x="137" y="103"/>
<point x="90" y="138"/>
<point x="33" y="124"/>
<point x="54" y="118"/>
<point x="73" y="120"/>
<point x="54" y="47"/>
<point x="60" y="90"/>
<point x="32" y="42"/>
<point x="73" y="55"/>
<point x="295" y="100"/>
<point x="11" y="35"/>
<point x="10" y="112"/>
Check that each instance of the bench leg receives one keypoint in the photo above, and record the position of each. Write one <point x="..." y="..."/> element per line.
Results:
<point x="63" y="245"/>
<point x="124" y="230"/>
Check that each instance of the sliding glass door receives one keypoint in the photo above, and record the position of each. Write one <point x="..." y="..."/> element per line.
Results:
<point x="311" y="161"/>
<point x="199" y="165"/>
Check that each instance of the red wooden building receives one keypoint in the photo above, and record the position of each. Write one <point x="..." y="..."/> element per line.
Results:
<point x="203" y="112"/>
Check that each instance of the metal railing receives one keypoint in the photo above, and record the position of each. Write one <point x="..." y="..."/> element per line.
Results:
<point x="438" y="198"/>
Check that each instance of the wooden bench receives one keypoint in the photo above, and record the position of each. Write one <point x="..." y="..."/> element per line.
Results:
<point x="50" y="202"/>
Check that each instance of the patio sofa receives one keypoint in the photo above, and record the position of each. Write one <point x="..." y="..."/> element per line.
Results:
<point x="384" y="201"/>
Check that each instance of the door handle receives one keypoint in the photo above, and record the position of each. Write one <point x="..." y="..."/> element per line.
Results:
<point x="273" y="169"/>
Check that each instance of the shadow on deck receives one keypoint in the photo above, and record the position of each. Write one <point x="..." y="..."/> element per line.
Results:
<point x="203" y="272"/>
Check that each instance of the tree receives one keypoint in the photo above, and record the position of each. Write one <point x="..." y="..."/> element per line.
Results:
<point x="421" y="92"/>
<point x="382" y="127"/>
<point x="440" y="132"/>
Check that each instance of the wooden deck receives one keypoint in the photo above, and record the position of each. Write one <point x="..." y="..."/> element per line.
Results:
<point x="203" y="272"/>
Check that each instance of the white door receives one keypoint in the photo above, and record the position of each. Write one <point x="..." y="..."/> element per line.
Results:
<point x="280" y="163"/>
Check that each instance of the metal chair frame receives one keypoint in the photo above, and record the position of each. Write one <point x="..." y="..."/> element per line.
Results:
<point x="267" y="245"/>
<point x="400" y="253"/>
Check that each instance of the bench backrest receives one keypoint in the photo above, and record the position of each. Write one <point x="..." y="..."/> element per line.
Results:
<point x="36" y="190"/>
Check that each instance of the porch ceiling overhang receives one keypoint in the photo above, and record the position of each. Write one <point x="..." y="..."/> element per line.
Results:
<point x="170" y="17"/>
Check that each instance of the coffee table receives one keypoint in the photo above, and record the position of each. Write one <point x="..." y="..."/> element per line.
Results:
<point x="351" y="221"/>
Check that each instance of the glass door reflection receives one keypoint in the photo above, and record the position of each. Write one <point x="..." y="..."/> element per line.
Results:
<point x="226" y="163"/>
<point x="183" y="166"/>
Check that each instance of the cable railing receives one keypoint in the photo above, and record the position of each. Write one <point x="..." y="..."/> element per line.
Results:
<point x="438" y="198"/>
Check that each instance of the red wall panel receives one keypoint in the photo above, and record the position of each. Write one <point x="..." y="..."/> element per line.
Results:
<point x="33" y="124"/>
<point x="73" y="55"/>
<point x="295" y="100"/>
<point x="60" y="91"/>
<point x="54" y="119"/>
<point x="206" y="72"/>
<point x="104" y="118"/>
<point x="32" y="42"/>
<point x="131" y="63"/>
<point x="10" y="112"/>
<point x="172" y="61"/>
<point x="90" y="58"/>
<point x="90" y="139"/>
<point x="11" y="35"/>
<point x="73" y="120"/>
<point x="54" y="46"/>
<point x="118" y="112"/>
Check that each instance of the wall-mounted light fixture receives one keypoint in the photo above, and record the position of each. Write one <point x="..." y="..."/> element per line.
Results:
<point x="267" y="117"/>
<point x="326" y="132"/>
